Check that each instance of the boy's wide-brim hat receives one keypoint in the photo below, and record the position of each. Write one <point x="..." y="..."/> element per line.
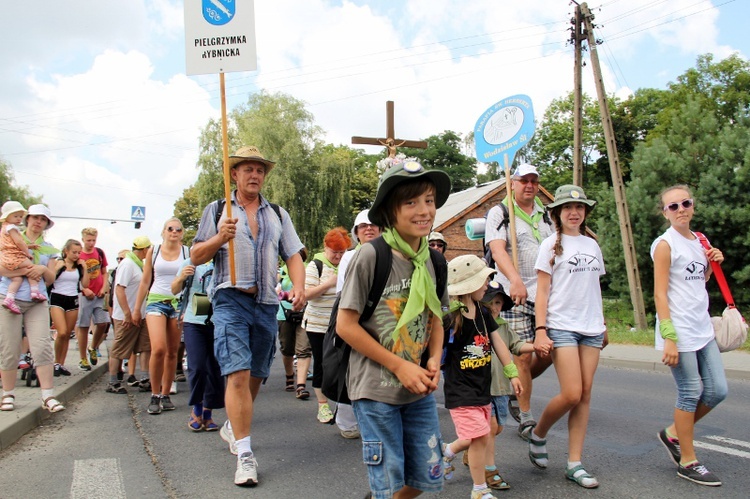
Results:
<point x="39" y="209"/>
<point x="250" y="153"/>
<point x="401" y="172"/>
<point x="466" y="274"/>
<point x="496" y="289"/>
<point x="570" y="194"/>
<point x="11" y="207"/>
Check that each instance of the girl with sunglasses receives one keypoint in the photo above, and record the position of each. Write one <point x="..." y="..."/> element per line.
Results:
<point x="160" y="267"/>
<point x="684" y="331"/>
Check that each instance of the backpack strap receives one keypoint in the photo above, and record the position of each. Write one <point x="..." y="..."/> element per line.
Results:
<point x="157" y="249"/>
<point x="319" y="264"/>
<point x="441" y="271"/>
<point x="383" y="262"/>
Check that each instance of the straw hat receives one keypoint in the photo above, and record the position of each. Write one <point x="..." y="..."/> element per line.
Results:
<point x="250" y="153"/>
<point x="466" y="274"/>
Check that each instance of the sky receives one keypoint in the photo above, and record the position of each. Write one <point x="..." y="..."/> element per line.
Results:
<point x="97" y="114"/>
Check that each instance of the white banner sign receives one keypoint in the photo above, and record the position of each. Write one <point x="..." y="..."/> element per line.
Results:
<point x="219" y="36"/>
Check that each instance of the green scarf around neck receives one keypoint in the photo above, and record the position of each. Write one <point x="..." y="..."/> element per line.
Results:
<point x="422" y="291"/>
<point x="322" y="257"/>
<point x="532" y="220"/>
<point x="134" y="257"/>
<point x="41" y="250"/>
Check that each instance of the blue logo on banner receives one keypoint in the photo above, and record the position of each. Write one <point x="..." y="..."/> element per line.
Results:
<point x="218" y="12"/>
<point x="504" y="128"/>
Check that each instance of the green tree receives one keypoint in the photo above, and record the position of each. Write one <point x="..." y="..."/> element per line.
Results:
<point x="444" y="152"/>
<point x="10" y="191"/>
<point x="189" y="210"/>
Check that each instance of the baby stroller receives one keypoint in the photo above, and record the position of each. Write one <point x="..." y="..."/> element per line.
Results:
<point x="28" y="374"/>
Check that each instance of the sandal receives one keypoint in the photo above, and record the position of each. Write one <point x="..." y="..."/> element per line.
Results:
<point x="495" y="480"/>
<point x="513" y="409"/>
<point x="535" y="457"/>
<point x="8" y="403"/>
<point x="289" y="383"/>
<point x="524" y="429"/>
<point x="583" y="478"/>
<point x="52" y="404"/>
<point x="302" y="393"/>
<point x="195" y="423"/>
<point x="209" y="425"/>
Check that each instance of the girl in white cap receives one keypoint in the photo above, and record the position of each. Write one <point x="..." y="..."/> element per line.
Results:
<point x="14" y="253"/>
<point x="570" y="325"/>
<point x="468" y="372"/>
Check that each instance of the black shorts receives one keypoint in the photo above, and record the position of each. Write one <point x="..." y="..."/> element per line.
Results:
<point x="66" y="303"/>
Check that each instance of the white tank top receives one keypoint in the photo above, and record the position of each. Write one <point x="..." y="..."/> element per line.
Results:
<point x="165" y="272"/>
<point x="67" y="283"/>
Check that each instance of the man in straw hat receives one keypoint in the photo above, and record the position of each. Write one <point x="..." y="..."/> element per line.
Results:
<point x="244" y="313"/>
<point x="532" y="227"/>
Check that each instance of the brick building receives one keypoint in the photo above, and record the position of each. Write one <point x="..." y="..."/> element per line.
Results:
<point x="474" y="202"/>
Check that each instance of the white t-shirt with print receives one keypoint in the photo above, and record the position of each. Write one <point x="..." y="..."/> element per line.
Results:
<point x="686" y="294"/>
<point x="575" y="298"/>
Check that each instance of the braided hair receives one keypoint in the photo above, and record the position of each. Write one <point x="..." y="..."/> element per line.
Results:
<point x="557" y="249"/>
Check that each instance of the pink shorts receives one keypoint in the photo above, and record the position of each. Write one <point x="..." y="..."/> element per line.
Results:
<point x="471" y="422"/>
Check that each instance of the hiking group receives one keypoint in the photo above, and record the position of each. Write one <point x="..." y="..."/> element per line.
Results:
<point x="404" y="316"/>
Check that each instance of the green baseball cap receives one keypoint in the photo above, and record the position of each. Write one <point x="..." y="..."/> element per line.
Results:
<point x="570" y="194"/>
<point x="400" y="172"/>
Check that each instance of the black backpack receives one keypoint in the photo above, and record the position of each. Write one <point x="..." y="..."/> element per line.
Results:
<point x="504" y="223"/>
<point x="336" y="351"/>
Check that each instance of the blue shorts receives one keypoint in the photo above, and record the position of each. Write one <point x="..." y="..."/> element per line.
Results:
<point x="401" y="445"/>
<point x="562" y="338"/>
<point x="161" y="308"/>
<point x="244" y="333"/>
<point x="500" y="408"/>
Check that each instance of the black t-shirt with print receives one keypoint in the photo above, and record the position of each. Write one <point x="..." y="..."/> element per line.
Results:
<point x="467" y="362"/>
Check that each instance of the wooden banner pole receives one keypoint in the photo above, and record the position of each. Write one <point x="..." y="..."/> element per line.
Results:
<point x="227" y="179"/>
<point x="511" y="213"/>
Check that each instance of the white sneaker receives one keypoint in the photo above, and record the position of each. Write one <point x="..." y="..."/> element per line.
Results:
<point x="228" y="436"/>
<point x="247" y="470"/>
<point x="173" y="390"/>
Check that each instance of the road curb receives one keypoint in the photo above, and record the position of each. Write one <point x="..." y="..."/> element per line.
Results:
<point x="30" y="416"/>
<point x="645" y="365"/>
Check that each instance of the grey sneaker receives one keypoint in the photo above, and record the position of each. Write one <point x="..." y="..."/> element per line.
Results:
<point x="247" y="470"/>
<point x="698" y="473"/>
<point x="154" y="407"/>
<point x="166" y="403"/>
<point x="228" y="436"/>
<point x="672" y="445"/>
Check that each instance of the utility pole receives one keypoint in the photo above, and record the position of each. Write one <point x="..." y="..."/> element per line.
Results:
<point x="577" y="38"/>
<point x="626" y="231"/>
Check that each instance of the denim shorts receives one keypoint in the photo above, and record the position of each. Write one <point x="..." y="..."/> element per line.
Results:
<point x="562" y="338"/>
<point x="500" y="408"/>
<point x="244" y="333"/>
<point x="161" y="308"/>
<point x="700" y="378"/>
<point x="401" y="445"/>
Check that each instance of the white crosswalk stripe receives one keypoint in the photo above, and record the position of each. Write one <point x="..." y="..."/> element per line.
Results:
<point x="723" y="448"/>
<point x="97" y="479"/>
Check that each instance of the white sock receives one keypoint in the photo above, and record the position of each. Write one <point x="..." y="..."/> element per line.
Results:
<point x="538" y="447"/>
<point x="11" y="295"/>
<point x="12" y="392"/>
<point x="48" y="393"/>
<point x="448" y="452"/>
<point x="573" y="464"/>
<point x="243" y="446"/>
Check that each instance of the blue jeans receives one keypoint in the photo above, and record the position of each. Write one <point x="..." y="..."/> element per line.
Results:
<point x="204" y="374"/>
<point x="700" y="378"/>
<point x="401" y="445"/>
<point x="244" y="332"/>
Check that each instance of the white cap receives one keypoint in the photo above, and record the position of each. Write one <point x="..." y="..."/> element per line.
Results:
<point x="525" y="169"/>
<point x="362" y="218"/>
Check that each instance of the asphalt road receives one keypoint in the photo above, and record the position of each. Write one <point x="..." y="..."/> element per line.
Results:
<point x="107" y="446"/>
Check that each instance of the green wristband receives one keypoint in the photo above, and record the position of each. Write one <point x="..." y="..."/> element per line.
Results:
<point x="510" y="370"/>
<point x="667" y="331"/>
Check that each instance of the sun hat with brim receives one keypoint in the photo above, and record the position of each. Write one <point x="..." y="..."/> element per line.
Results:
<point x="570" y="194"/>
<point x="10" y="207"/>
<point x="141" y="242"/>
<point x="39" y="209"/>
<point x="466" y="274"/>
<point x="494" y="289"/>
<point x="362" y="218"/>
<point x="250" y="153"/>
<point x="400" y="172"/>
<point x="436" y="236"/>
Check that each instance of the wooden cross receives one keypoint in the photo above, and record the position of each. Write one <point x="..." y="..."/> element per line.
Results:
<point x="390" y="141"/>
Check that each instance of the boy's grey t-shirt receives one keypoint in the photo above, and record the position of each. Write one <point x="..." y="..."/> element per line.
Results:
<point x="367" y="379"/>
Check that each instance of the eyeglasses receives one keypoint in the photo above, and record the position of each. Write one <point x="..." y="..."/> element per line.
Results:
<point x="174" y="229"/>
<point x="525" y="181"/>
<point x="119" y="259"/>
<point x="365" y="226"/>
<point x="686" y="204"/>
<point x="437" y="245"/>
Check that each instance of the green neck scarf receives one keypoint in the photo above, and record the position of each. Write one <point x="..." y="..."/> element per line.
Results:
<point x="41" y="250"/>
<point x="422" y="291"/>
<point x="322" y="257"/>
<point x="532" y="220"/>
<point x="134" y="257"/>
